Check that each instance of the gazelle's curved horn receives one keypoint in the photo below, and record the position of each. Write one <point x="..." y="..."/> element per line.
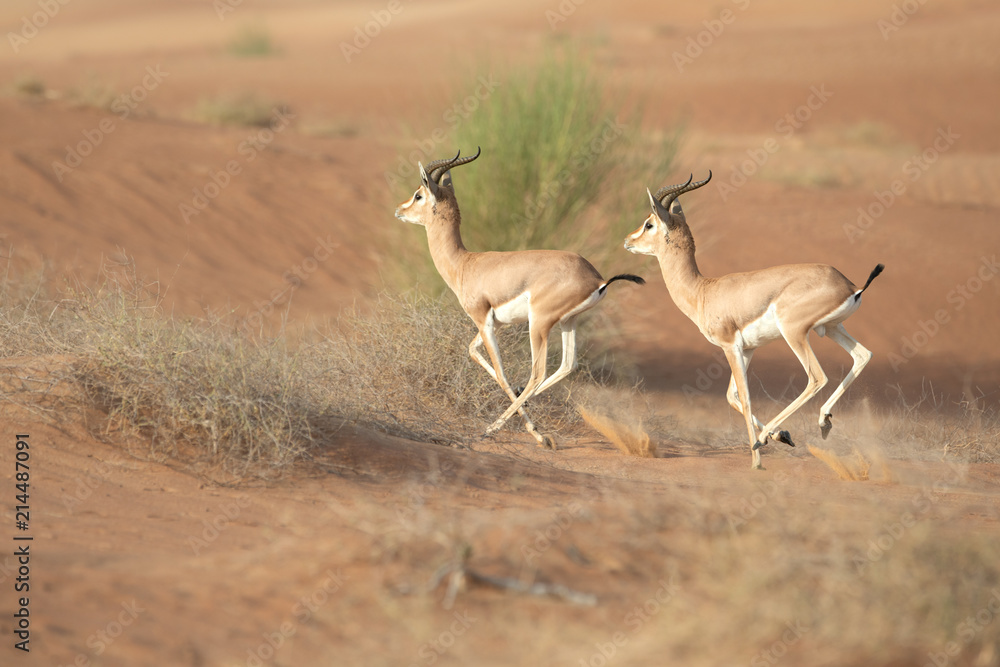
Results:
<point x="666" y="196"/>
<point x="669" y="189"/>
<point x="435" y="170"/>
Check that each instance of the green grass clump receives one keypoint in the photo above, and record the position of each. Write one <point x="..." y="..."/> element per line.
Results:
<point x="563" y="165"/>
<point x="251" y="42"/>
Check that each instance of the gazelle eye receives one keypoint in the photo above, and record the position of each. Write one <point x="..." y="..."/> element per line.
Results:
<point x="417" y="197"/>
<point x="649" y="225"/>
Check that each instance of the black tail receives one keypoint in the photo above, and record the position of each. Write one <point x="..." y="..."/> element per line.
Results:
<point x="875" y="273"/>
<point x="623" y="276"/>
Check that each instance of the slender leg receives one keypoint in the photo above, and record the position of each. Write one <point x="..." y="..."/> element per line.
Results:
<point x="733" y="396"/>
<point x="568" y="359"/>
<point x="736" y="361"/>
<point x="539" y="345"/>
<point x="816" y="380"/>
<point x="487" y="334"/>
<point x="861" y="356"/>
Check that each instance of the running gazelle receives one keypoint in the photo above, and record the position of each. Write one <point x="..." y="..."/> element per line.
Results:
<point x="542" y="287"/>
<point x="741" y="312"/>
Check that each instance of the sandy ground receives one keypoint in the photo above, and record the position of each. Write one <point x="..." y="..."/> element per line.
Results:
<point x="915" y="105"/>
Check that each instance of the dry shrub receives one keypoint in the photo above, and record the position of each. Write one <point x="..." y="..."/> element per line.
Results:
<point x="198" y="385"/>
<point x="406" y="365"/>
<point x="207" y="389"/>
<point x="630" y="438"/>
<point x="935" y="425"/>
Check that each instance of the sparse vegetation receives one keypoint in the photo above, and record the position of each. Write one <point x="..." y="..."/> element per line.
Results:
<point x="208" y="390"/>
<point x="408" y="360"/>
<point x="93" y="93"/>
<point x="30" y="86"/>
<point x="251" y="42"/>
<point x="553" y="140"/>
<point x="246" y="109"/>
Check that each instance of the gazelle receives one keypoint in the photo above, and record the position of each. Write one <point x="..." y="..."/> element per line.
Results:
<point x="741" y="312"/>
<point x="541" y="287"/>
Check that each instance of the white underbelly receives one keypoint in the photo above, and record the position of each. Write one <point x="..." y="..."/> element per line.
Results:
<point x="762" y="330"/>
<point x="514" y="311"/>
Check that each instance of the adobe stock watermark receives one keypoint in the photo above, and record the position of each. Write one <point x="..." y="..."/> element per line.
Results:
<point x="212" y="528"/>
<point x="914" y="168"/>
<point x="562" y="520"/>
<point x="956" y="299"/>
<point x="294" y="278"/>
<point x="749" y="505"/>
<point x="302" y="611"/>
<point x="786" y="127"/>
<point x="635" y="620"/>
<point x="453" y="117"/>
<point x="364" y="34"/>
<point x="248" y="150"/>
<point x="122" y="107"/>
<point x="899" y="16"/>
<point x="31" y="26"/>
<point x="779" y="648"/>
<point x="223" y="7"/>
<point x="430" y="652"/>
<point x="418" y="494"/>
<point x="966" y="631"/>
<point x="562" y="12"/>
<point x="890" y="534"/>
<point x="705" y="378"/>
<point x="696" y="44"/>
<point x="100" y="640"/>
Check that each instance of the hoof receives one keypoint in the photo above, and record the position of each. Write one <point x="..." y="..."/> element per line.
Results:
<point x="518" y="391"/>
<point x="757" y="445"/>
<point x="824" y="428"/>
<point x="547" y="443"/>
<point x="757" y="466"/>
<point x="785" y="437"/>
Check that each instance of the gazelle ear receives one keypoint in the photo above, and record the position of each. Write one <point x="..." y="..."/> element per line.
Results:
<point x="658" y="209"/>
<point x="676" y="210"/>
<point x="431" y="186"/>
<point x="446" y="181"/>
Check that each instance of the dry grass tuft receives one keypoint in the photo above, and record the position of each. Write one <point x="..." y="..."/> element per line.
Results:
<point x="854" y="469"/>
<point x="247" y="110"/>
<point x="408" y="362"/>
<point x="93" y="93"/>
<point x="630" y="438"/>
<point x="194" y="389"/>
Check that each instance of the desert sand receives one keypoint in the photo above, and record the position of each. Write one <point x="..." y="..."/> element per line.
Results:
<point x="327" y="564"/>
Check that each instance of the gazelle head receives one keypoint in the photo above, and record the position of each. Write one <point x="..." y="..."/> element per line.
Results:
<point x="666" y="224"/>
<point x="435" y="186"/>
